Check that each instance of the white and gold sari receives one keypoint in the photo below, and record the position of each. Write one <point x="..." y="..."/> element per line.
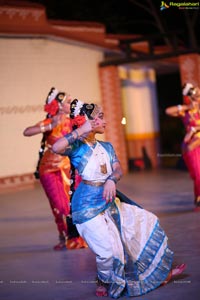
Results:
<point x="131" y="248"/>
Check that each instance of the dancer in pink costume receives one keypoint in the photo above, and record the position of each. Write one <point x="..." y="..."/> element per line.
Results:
<point x="190" y="114"/>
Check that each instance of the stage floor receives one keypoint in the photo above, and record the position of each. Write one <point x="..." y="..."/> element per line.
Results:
<point x="31" y="270"/>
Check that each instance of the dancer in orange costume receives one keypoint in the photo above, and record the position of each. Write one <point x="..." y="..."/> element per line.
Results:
<point x="54" y="170"/>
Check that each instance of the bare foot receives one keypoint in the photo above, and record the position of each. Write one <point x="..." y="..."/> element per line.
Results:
<point x="101" y="291"/>
<point x="60" y="246"/>
<point x="178" y="270"/>
<point x="174" y="272"/>
<point x="76" y="243"/>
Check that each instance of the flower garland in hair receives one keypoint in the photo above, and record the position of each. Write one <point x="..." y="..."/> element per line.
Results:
<point x="52" y="107"/>
<point x="186" y="99"/>
<point x="78" y="121"/>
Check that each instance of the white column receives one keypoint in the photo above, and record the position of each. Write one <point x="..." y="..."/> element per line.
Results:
<point x="141" y="112"/>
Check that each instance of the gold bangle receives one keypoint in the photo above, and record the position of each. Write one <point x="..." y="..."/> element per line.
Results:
<point x="50" y="126"/>
<point x="193" y="129"/>
<point x="113" y="178"/>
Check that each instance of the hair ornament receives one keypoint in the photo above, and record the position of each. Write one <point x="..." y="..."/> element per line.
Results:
<point x="187" y="89"/>
<point x="52" y="95"/>
<point x="52" y="107"/>
<point x="75" y="108"/>
<point x="54" y="98"/>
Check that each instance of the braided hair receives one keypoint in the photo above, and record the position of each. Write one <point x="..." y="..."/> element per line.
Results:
<point x="58" y="97"/>
<point x="78" y="108"/>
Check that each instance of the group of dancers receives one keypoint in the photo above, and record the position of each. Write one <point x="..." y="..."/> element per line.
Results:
<point x="79" y="175"/>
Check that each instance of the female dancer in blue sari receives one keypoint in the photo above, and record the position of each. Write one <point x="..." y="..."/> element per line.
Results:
<point x="132" y="254"/>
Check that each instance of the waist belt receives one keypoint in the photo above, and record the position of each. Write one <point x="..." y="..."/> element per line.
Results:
<point x="93" y="183"/>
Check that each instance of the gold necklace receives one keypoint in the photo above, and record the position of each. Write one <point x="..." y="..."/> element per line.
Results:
<point x="90" y="141"/>
<point x="102" y="163"/>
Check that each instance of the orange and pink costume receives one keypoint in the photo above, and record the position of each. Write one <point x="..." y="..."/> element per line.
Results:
<point x="54" y="171"/>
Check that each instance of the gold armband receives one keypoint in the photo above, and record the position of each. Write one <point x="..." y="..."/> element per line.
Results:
<point x="193" y="129"/>
<point x="42" y="128"/>
<point x="50" y="126"/>
<point x="180" y="108"/>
